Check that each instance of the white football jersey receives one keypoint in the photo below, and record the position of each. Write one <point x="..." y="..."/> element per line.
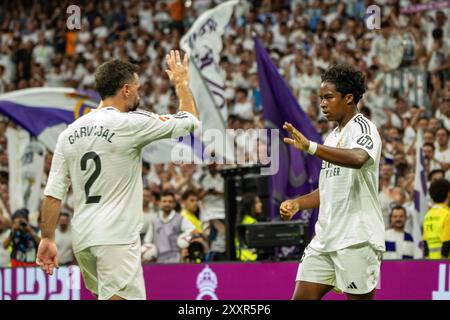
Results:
<point x="100" y="155"/>
<point x="350" y="212"/>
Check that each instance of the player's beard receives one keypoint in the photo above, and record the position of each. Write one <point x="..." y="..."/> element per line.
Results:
<point x="135" y="105"/>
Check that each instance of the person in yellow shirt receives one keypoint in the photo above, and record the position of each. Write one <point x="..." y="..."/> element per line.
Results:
<point x="436" y="225"/>
<point x="251" y="210"/>
<point x="189" y="200"/>
<point x="190" y="211"/>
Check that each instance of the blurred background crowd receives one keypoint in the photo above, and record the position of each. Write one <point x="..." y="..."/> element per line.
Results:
<point x="406" y="64"/>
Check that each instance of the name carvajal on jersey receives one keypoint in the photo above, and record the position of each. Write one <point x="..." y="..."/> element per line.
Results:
<point x="330" y="169"/>
<point x="91" y="131"/>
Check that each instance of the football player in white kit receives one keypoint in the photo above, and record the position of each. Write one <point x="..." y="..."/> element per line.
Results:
<point x="345" y="253"/>
<point x="100" y="156"/>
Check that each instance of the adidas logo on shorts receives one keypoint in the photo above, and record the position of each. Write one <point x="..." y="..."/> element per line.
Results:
<point x="352" y="286"/>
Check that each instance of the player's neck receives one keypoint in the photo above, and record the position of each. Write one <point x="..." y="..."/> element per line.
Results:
<point x="346" y="119"/>
<point x="114" y="102"/>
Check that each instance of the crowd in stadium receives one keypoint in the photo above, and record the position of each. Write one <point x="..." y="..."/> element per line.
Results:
<point x="406" y="64"/>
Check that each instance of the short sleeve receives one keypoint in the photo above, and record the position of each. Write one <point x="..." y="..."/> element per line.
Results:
<point x="58" y="179"/>
<point x="366" y="137"/>
<point x="150" y="127"/>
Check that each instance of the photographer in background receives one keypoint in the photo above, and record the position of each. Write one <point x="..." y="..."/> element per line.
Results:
<point x="23" y="240"/>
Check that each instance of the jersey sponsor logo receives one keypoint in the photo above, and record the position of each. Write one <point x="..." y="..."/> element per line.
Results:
<point x="366" y="142"/>
<point x="89" y="131"/>
<point x="330" y="169"/>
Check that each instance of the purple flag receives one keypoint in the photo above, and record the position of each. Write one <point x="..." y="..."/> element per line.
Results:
<point x="298" y="171"/>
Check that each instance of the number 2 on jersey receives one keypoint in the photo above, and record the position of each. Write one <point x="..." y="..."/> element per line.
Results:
<point x="98" y="168"/>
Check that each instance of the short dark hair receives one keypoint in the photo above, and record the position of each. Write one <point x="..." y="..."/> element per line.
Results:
<point x="346" y="79"/>
<point x="397" y="207"/>
<point x="145" y="165"/>
<point x="427" y="144"/>
<point x="166" y="193"/>
<point x="439" y="190"/>
<point x="437" y="33"/>
<point x="366" y="111"/>
<point x="188" y="193"/>
<point x="433" y="172"/>
<point x="248" y="200"/>
<point x="445" y="130"/>
<point x="112" y="75"/>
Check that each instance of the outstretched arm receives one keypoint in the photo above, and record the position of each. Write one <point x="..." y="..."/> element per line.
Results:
<point x="351" y="158"/>
<point x="178" y="73"/>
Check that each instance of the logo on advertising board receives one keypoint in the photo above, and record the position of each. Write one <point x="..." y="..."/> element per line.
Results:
<point x="207" y="284"/>
<point x="34" y="284"/>
<point x="441" y="293"/>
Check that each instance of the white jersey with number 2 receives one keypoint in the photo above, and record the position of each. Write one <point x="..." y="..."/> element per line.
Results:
<point x="350" y="211"/>
<point x="100" y="155"/>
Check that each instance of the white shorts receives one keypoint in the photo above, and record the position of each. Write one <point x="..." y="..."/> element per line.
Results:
<point x="353" y="270"/>
<point x="113" y="270"/>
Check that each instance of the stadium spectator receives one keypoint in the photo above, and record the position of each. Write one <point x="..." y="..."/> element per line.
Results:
<point x="436" y="225"/>
<point x="63" y="240"/>
<point x="213" y="211"/>
<point x="242" y="107"/>
<point x="399" y="243"/>
<point x="442" y="151"/>
<point x="169" y="232"/>
<point x="198" y="244"/>
<point x="430" y="160"/>
<point x="249" y="213"/>
<point x="191" y="210"/>
<point x="435" y="175"/>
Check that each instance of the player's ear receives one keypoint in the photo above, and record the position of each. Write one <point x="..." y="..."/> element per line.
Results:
<point x="348" y="98"/>
<point x="126" y="90"/>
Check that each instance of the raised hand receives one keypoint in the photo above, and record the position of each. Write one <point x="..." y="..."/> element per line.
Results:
<point x="299" y="141"/>
<point x="177" y="68"/>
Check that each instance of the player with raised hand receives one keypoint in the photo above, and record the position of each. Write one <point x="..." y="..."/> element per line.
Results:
<point x="349" y="234"/>
<point x="100" y="156"/>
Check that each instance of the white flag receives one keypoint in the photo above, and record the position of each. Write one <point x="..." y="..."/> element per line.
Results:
<point x="420" y="193"/>
<point x="26" y="167"/>
<point x="203" y="43"/>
